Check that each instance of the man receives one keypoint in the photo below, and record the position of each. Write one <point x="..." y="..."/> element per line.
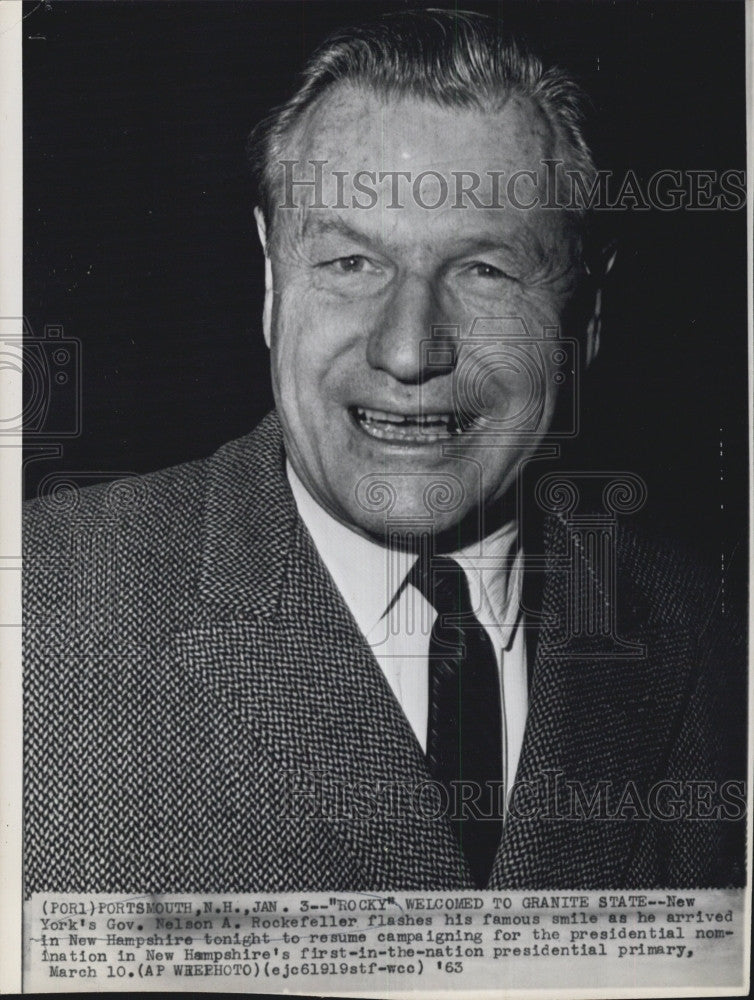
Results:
<point x="342" y="653"/>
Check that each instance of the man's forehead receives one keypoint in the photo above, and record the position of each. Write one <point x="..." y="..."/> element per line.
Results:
<point x="357" y="128"/>
<point x="395" y="170"/>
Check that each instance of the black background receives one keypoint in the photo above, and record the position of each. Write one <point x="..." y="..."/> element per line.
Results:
<point x="139" y="236"/>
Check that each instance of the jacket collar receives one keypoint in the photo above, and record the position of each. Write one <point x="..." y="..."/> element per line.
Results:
<point x="249" y="524"/>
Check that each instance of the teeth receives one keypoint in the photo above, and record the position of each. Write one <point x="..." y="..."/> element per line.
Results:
<point x="423" y="419"/>
<point x="389" y="418"/>
<point x="415" y="427"/>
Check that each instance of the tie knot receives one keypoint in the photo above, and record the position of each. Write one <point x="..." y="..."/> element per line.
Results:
<point x="443" y="582"/>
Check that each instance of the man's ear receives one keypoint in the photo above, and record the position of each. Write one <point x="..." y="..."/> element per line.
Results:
<point x="268" y="289"/>
<point x="605" y="264"/>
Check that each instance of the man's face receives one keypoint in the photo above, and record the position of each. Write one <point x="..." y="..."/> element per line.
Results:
<point x="370" y="410"/>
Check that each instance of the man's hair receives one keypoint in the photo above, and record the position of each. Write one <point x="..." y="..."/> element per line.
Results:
<point x="457" y="59"/>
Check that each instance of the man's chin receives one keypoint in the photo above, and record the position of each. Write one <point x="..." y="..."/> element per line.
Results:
<point x="404" y="526"/>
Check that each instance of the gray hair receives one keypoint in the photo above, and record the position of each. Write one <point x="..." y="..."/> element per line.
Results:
<point x="453" y="58"/>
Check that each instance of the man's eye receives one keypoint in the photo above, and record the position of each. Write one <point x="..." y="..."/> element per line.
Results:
<point x="481" y="270"/>
<point x="353" y="264"/>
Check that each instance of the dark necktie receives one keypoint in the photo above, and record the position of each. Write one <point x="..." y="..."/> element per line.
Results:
<point x="464" y="731"/>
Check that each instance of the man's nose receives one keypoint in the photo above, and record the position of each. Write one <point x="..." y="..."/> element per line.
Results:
<point x="400" y="340"/>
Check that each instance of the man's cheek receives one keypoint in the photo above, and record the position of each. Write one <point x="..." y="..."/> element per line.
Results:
<point x="538" y="307"/>
<point x="293" y="338"/>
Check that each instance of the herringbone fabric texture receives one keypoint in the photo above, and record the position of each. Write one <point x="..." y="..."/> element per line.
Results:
<point x="202" y="713"/>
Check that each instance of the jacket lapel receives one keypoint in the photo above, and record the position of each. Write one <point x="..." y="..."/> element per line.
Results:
<point x="594" y="718"/>
<point x="279" y="647"/>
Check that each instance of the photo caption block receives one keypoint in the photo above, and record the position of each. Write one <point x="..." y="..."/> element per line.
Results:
<point x="327" y="942"/>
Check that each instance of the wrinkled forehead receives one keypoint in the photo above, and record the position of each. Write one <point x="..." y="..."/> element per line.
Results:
<point x="353" y="129"/>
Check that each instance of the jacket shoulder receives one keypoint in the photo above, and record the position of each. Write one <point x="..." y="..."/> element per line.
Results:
<point x="676" y="584"/>
<point x="122" y="502"/>
<point x="93" y="552"/>
<point x="136" y="547"/>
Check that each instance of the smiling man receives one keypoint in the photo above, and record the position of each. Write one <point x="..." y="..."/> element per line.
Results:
<point x="327" y="657"/>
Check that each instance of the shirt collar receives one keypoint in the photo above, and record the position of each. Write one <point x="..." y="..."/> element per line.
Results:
<point x="494" y="572"/>
<point x="369" y="575"/>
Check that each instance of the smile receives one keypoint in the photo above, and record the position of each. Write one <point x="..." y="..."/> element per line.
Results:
<point x="414" y="428"/>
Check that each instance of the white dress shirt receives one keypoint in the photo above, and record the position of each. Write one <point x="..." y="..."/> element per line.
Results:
<point x="396" y="619"/>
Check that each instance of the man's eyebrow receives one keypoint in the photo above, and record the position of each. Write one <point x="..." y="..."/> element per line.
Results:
<point x="318" y="225"/>
<point x="525" y="244"/>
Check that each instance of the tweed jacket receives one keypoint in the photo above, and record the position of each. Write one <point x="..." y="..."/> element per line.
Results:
<point x="202" y="713"/>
